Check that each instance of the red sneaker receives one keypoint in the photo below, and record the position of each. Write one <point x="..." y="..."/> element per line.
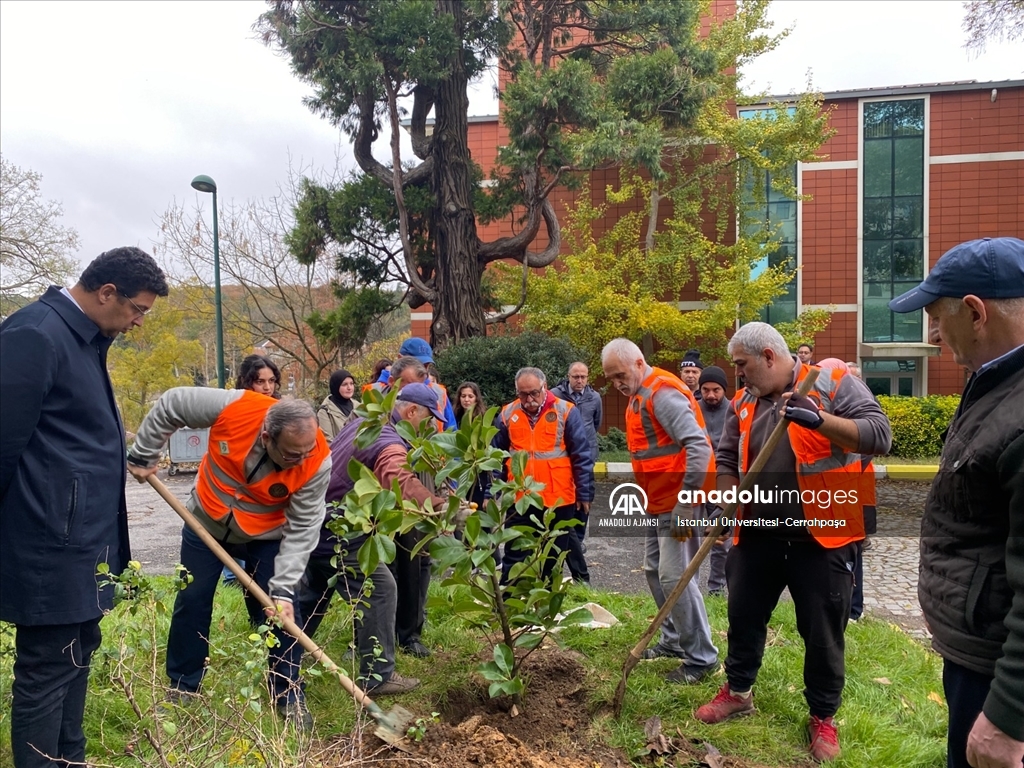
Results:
<point x="724" y="706"/>
<point x="824" y="738"/>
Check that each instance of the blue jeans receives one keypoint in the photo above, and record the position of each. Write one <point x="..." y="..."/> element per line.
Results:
<point x="187" y="644"/>
<point x="685" y="630"/>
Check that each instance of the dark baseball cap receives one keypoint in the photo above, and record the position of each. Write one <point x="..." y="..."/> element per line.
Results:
<point x="423" y="395"/>
<point x="989" y="268"/>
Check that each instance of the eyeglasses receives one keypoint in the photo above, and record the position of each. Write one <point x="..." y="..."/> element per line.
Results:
<point x="292" y="458"/>
<point x="530" y="395"/>
<point x="142" y="312"/>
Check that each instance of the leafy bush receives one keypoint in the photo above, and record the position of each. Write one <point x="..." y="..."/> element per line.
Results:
<point x="615" y="440"/>
<point x="492" y="362"/>
<point x="918" y="423"/>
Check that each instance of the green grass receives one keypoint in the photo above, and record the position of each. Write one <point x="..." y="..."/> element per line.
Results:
<point x="899" y="722"/>
<point x="927" y="460"/>
<point x="613" y="456"/>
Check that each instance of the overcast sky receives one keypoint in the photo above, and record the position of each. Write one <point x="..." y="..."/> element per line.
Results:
<point x="120" y="104"/>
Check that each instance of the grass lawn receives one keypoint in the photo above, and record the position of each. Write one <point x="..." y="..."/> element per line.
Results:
<point x="892" y="714"/>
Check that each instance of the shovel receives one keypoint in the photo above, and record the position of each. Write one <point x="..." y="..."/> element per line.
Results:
<point x="391" y="726"/>
<point x="709" y="541"/>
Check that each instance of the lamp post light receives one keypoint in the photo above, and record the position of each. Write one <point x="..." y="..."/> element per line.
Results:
<point x="203" y="183"/>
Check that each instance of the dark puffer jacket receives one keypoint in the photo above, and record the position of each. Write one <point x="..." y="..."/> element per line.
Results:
<point x="971" y="583"/>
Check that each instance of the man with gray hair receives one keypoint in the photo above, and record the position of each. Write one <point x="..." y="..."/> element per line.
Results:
<point x="560" y="456"/>
<point x="260" y="492"/>
<point x="971" y="585"/>
<point x="803" y="525"/>
<point x="671" y="452"/>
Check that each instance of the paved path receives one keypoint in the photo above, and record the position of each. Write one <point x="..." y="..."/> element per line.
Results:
<point x="890" y="566"/>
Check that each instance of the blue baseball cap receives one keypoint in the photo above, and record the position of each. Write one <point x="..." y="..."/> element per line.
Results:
<point x="423" y="395"/>
<point x="417" y="348"/>
<point x="989" y="268"/>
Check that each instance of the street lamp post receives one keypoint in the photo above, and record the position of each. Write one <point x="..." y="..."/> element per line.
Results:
<point x="206" y="184"/>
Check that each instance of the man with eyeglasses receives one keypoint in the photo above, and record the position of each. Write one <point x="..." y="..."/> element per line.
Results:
<point x="62" y="503"/>
<point x="260" y="492"/>
<point x="560" y="456"/>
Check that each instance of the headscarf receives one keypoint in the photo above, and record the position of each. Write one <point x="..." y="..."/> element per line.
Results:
<point x="334" y="385"/>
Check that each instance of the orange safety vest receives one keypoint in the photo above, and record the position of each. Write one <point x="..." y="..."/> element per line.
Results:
<point x="549" y="461"/>
<point x="868" y="497"/>
<point x="825" y="471"/>
<point x="257" y="507"/>
<point x="659" y="462"/>
<point x="442" y="401"/>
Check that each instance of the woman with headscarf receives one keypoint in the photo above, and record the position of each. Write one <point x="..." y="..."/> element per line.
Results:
<point x="338" y="408"/>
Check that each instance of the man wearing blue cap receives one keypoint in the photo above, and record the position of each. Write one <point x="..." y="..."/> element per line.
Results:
<point x="421" y="350"/>
<point x="971" y="582"/>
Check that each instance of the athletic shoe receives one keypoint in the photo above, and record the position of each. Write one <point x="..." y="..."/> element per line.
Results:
<point x="395" y="685"/>
<point x="824" y="738"/>
<point x="689" y="674"/>
<point x="725" y="706"/>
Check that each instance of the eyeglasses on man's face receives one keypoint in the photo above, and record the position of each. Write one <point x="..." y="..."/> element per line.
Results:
<point x="532" y="395"/>
<point x="141" y="312"/>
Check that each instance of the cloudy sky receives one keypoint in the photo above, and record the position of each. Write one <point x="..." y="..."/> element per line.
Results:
<point x="120" y="104"/>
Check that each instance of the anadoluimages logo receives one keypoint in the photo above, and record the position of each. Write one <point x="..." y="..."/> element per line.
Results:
<point x="627" y="499"/>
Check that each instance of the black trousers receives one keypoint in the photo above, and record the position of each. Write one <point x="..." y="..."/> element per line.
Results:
<point x="966" y="691"/>
<point x="568" y="540"/>
<point x="51" y="674"/>
<point x="820" y="581"/>
<point x="412" y="579"/>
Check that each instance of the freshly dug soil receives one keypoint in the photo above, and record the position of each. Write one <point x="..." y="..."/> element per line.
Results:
<point x="553" y="729"/>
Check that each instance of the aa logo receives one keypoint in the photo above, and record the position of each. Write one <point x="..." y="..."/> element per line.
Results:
<point x="628" y="499"/>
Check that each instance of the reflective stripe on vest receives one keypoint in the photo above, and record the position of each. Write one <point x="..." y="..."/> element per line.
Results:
<point x="544" y="443"/>
<point x="821" y="465"/>
<point x="221" y="489"/>
<point x="659" y="462"/>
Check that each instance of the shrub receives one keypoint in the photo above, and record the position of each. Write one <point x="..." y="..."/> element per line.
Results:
<point x="918" y="423"/>
<point x="615" y="440"/>
<point x="492" y="362"/>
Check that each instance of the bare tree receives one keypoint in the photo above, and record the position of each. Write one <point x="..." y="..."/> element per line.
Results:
<point x="986" y="20"/>
<point x="269" y="299"/>
<point x="35" y="249"/>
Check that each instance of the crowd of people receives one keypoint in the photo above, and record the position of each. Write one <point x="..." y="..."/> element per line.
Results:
<point x="274" y="466"/>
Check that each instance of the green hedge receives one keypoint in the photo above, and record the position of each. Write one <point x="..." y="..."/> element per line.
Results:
<point x="492" y="362"/>
<point x="918" y="423"/>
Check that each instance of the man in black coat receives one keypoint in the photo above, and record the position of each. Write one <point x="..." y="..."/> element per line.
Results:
<point x="62" y="504"/>
<point x="971" y="582"/>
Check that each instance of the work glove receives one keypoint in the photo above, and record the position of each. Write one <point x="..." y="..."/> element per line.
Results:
<point x="684" y="512"/>
<point x="801" y="410"/>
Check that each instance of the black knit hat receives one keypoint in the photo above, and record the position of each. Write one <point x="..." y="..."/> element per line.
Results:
<point x="713" y="375"/>
<point x="692" y="358"/>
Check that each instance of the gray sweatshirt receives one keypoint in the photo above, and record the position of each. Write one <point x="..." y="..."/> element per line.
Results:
<point x="199" y="408"/>
<point x="673" y="411"/>
<point x="853" y="400"/>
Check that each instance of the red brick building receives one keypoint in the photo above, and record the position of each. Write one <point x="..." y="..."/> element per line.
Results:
<point x="911" y="172"/>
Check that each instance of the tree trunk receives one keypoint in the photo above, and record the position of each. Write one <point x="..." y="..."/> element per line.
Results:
<point x="458" y="306"/>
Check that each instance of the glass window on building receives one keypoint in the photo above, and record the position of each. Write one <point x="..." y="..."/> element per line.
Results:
<point x="890" y="377"/>
<point x="779" y="212"/>
<point x="893" y="225"/>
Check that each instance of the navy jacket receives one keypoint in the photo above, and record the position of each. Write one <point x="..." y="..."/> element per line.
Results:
<point x="588" y="402"/>
<point x="62" y="466"/>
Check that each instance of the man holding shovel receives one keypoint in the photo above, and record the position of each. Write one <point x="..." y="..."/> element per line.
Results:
<point x="671" y="452"/>
<point x="260" y="493"/>
<point x="801" y="524"/>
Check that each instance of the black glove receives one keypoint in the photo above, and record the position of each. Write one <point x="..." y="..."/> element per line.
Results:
<point x="801" y="410"/>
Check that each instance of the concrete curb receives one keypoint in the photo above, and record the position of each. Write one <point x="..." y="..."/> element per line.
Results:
<point x="920" y="472"/>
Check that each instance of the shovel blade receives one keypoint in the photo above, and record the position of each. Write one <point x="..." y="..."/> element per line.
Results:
<point x="393" y="726"/>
